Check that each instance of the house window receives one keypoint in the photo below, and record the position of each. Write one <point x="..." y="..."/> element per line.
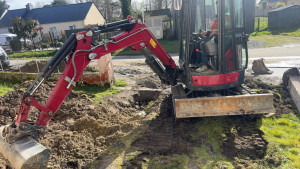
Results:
<point x="53" y="31"/>
<point x="72" y="27"/>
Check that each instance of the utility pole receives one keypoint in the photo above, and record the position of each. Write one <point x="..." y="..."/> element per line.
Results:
<point x="143" y="15"/>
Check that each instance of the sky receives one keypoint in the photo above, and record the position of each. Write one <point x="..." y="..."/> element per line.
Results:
<point x="17" y="4"/>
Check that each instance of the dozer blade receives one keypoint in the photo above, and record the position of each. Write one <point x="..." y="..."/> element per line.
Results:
<point x="223" y="106"/>
<point x="25" y="153"/>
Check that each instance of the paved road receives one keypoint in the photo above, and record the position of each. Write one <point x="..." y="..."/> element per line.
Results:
<point x="275" y="56"/>
<point x="288" y="50"/>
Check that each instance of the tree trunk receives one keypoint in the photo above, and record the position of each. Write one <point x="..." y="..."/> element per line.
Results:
<point x="108" y="11"/>
<point x="24" y="43"/>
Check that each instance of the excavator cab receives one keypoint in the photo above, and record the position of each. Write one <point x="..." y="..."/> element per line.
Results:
<point x="213" y="43"/>
<point x="214" y="56"/>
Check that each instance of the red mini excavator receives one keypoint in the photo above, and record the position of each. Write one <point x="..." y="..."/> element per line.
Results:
<point x="207" y="82"/>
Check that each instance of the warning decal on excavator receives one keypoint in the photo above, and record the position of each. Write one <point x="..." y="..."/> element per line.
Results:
<point x="153" y="43"/>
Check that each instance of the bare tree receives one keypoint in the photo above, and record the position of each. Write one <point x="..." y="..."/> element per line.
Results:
<point x="39" y="4"/>
<point x="116" y="10"/>
<point x="3" y="6"/>
<point x="149" y="5"/>
<point x="110" y="9"/>
<point x="167" y="4"/>
<point x="158" y="4"/>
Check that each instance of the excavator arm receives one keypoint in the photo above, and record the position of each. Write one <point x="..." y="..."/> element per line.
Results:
<point x="137" y="38"/>
<point x="78" y="51"/>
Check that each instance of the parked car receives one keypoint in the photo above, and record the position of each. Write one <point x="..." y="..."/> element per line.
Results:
<point x="4" y="59"/>
<point x="4" y="40"/>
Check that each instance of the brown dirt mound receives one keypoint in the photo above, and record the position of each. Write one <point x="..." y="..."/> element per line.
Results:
<point x="79" y="131"/>
<point x="163" y="135"/>
<point x="152" y="82"/>
<point x="282" y="99"/>
<point x="126" y="71"/>
<point x="37" y="66"/>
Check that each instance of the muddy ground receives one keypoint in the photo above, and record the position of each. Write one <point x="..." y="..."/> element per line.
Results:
<point x="82" y="132"/>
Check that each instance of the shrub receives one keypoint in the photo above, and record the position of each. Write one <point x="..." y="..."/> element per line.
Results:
<point x="16" y="45"/>
<point x="280" y="4"/>
<point x="264" y="4"/>
<point x="33" y="54"/>
<point x="63" y="37"/>
<point x="44" y="45"/>
<point x="59" y="44"/>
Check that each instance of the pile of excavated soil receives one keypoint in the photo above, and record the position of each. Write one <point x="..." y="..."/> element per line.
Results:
<point x="281" y="97"/>
<point x="37" y="66"/>
<point x="126" y="71"/>
<point x="80" y="131"/>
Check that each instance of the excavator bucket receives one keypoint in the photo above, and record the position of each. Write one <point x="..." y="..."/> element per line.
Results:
<point x="224" y="106"/>
<point x="25" y="153"/>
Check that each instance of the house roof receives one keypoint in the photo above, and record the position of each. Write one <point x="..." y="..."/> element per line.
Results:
<point x="11" y="14"/>
<point x="283" y="8"/>
<point x="159" y="12"/>
<point x="55" y="14"/>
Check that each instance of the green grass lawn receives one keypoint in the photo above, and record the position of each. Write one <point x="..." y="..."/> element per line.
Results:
<point x="284" y="134"/>
<point x="99" y="92"/>
<point x="276" y="37"/>
<point x="275" y="40"/>
<point x="263" y="23"/>
<point x="291" y="32"/>
<point x="6" y="87"/>
<point x="46" y="54"/>
<point x="262" y="29"/>
<point x="170" y="46"/>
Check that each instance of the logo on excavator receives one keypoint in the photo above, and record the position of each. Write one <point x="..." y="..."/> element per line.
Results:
<point x="153" y="43"/>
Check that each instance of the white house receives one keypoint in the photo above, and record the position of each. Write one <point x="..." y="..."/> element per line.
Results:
<point x="55" y="19"/>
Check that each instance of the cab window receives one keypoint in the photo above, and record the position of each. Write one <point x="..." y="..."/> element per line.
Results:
<point x="239" y="15"/>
